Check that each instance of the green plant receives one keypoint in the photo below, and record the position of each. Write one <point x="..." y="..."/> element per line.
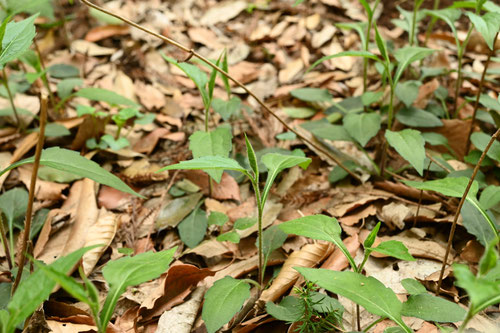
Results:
<point x="367" y="291"/>
<point x="275" y="163"/>
<point x="119" y="274"/>
<point x="311" y="310"/>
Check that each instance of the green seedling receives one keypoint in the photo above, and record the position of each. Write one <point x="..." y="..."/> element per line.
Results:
<point x="275" y="163"/>
<point x="119" y="275"/>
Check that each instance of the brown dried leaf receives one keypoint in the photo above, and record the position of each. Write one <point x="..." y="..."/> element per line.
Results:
<point x="309" y="256"/>
<point x="105" y="31"/>
<point x="101" y="232"/>
<point x="337" y="261"/>
<point x="44" y="190"/>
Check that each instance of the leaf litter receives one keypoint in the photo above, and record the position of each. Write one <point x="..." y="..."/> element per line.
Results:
<point x="270" y="47"/>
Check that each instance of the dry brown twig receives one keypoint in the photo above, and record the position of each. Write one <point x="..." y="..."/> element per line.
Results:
<point x="31" y="194"/>
<point x="193" y="53"/>
<point x="457" y="213"/>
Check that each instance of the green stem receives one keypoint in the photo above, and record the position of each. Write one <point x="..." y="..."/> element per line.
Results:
<point x="431" y="24"/>
<point x="461" y="51"/>
<point x="414" y="22"/>
<point x="366" y="46"/>
<point x="4" y="242"/>
<point x="11" y="99"/>
<point x="373" y="324"/>
<point x="468" y="317"/>
<point x="260" y="210"/>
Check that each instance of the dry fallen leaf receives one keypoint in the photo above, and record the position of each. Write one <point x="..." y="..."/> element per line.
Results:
<point x="309" y="256"/>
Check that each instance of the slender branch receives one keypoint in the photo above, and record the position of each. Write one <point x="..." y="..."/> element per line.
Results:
<point x="238" y="83"/>
<point x="4" y="241"/>
<point x="461" y="51"/>
<point x="457" y="213"/>
<point x="478" y="94"/>
<point x="31" y="195"/>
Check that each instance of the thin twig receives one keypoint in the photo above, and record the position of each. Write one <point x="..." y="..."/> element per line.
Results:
<point x="31" y="195"/>
<point x="439" y="164"/>
<point x="478" y="94"/>
<point x="238" y="83"/>
<point x="457" y="213"/>
<point x="4" y="241"/>
<point x="421" y="195"/>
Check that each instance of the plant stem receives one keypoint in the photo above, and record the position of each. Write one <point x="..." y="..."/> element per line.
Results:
<point x="44" y="76"/>
<point x="11" y="99"/>
<point x="478" y="95"/>
<point x="366" y="46"/>
<point x="461" y="51"/>
<point x="457" y="213"/>
<point x="4" y="241"/>
<point x="31" y="195"/>
<point x="238" y="83"/>
<point x="468" y="317"/>
<point x="431" y="24"/>
<point x="414" y="21"/>
<point x="389" y="122"/>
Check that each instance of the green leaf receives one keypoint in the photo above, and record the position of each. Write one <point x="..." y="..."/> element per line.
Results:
<point x="331" y="132"/>
<point x="44" y="7"/>
<point x="300" y="113"/>
<point x="176" y="210"/>
<point x="193" y="228"/>
<point x="217" y="218"/>
<point x="65" y="87"/>
<point x="407" y="92"/>
<point x="488" y="25"/>
<point x="104" y="95"/>
<point x="413" y="287"/>
<point x="36" y="288"/>
<point x="367" y="8"/>
<point x="199" y="77"/>
<point x="276" y="163"/>
<point x="231" y="236"/>
<point x="489" y="102"/>
<point x="490" y="197"/>
<point x="382" y="47"/>
<point x="370" y="97"/>
<point x="131" y="271"/>
<point x="54" y="130"/>
<point x="409" y="143"/>
<point x="394" y="249"/>
<point x="360" y="28"/>
<point x="312" y="94"/>
<point x="364" y="54"/>
<point x="450" y="16"/>
<point x="432" y="308"/>
<point x="272" y="239"/>
<point x="63" y="71"/>
<point x="481" y="139"/>
<point x="225" y="68"/>
<point x="72" y="162"/>
<point x="252" y="159"/>
<point x="226" y="108"/>
<point x="222" y="301"/>
<point x="362" y="127"/>
<point x="337" y="173"/>
<point x="452" y="186"/>
<point x="244" y="223"/>
<point x="289" y="310"/>
<point x="214" y="143"/>
<point x="482" y="291"/>
<point x="17" y="39"/>
<point x="206" y="163"/>
<point x="319" y="227"/>
<point x="13" y="204"/>
<point x="372" y="236"/>
<point x="415" y="117"/>
<point x="115" y="144"/>
<point x="476" y="223"/>
<point x="435" y="139"/>
<point x="365" y="291"/>
<point x="406" y="56"/>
